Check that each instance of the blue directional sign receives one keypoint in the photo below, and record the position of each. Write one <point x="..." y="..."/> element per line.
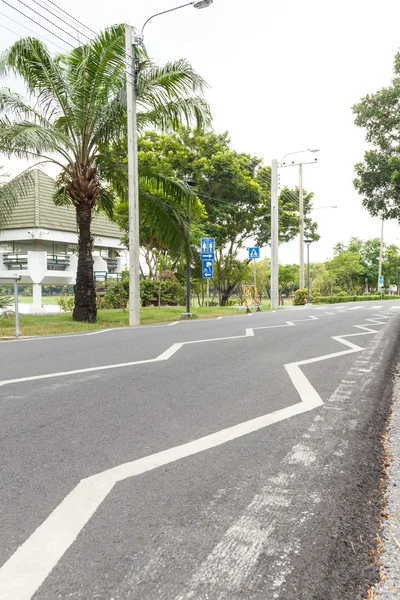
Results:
<point x="381" y="279"/>
<point x="207" y="269"/>
<point x="207" y="248"/>
<point x="254" y="252"/>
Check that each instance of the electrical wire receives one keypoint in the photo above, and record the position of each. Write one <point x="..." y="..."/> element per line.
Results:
<point x="73" y="18"/>
<point x="48" y="20"/>
<point x="28" y="29"/>
<point x="73" y="26"/>
<point x="36" y="23"/>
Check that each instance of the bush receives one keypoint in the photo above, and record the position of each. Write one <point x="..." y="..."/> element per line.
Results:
<point x="66" y="303"/>
<point x="300" y="297"/>
<point x="116" y="295"/>
<point x="172" y="292"/>
<point x="342" y="294"/>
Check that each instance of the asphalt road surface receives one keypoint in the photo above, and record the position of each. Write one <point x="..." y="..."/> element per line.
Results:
<point x="226" y="459"/>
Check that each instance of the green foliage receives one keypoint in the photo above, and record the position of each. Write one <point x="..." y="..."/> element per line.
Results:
<point x="66" y="303"/>
<point x="172" y="292"/>
<point x="5" y="306"/>
<point x="300" y="297"/>
<point x="347" y="270"/>
<point x="378" y="177"/>
<point x="342" y="294"/>
<point x="76" y="110"/>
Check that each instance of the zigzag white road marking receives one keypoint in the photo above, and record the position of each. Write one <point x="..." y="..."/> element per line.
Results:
<point x="29" y="566"/>
<point x="162" y="357"/>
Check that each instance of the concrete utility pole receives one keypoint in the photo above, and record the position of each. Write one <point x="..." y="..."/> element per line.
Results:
<point x="380" y="259"/>
<point x="133" y="181"/>
<point x="301" y="226"/>
<point x="274" y="236"/>
<point x="132" y="69"/>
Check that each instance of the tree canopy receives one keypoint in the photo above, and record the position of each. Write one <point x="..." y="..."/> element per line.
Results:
<point x="378" y="176"/>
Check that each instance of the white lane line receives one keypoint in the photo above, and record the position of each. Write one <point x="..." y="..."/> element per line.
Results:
<point x="219" y="318"/>
<point x="223" y="573"/>
<point x="28" y="567"/>
<point x="164" y="356"/>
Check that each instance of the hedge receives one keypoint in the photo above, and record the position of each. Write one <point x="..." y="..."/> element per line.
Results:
<point x="337" y="299"/>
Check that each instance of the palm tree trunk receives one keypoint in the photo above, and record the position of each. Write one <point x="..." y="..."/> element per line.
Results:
<point x="85" y="308"/>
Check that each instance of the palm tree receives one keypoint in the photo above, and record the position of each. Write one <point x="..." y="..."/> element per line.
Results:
<point x="77" y="108"/>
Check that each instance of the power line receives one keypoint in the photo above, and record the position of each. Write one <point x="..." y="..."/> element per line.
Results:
<point x="36" y="23"/>
<point x="28" y="29"/>
<point x="73" y="18"/>
<point x="61" y="19"/>
<point x="48" y="20"/>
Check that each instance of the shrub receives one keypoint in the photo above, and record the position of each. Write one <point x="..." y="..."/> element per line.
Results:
<point x="66" y="303"/>
<point x="300" y="297"/>
<point x="342" y="294"/>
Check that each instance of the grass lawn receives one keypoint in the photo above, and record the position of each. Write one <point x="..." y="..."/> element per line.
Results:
<point x="45" y="299"/>
<point x="63" y="323"/>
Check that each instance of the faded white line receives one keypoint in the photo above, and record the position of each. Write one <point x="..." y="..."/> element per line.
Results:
<point x="29" y="566"/>
<point x="164" y="356"/>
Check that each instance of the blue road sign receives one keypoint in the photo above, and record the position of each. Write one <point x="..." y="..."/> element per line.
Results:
<point x="254" y="252"/>
<point x="207" y="269"/>
<point x="381" y="279"/>
<point x="207" y="248"/>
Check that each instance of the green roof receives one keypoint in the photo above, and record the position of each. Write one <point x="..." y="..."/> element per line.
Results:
<point x="37" y="209"/>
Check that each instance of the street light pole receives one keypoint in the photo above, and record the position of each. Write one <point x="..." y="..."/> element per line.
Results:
<point x="381" y="259"/>
<point x="301" y="208"/>
<point x="132" y="69"/>
<point x="274" y="236"/>
<point x="308" y="242"/>
<point x="301" y="225"/>
<point x="133" y="181"/>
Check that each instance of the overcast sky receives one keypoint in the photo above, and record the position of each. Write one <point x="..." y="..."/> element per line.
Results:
<point x="283" y="76"/>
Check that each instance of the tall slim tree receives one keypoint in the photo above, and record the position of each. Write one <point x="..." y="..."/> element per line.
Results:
<point x="378" y="176"/>
<point x="76" y="106"/>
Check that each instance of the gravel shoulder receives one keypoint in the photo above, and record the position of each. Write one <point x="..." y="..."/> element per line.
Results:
<point x="389" y="588"/>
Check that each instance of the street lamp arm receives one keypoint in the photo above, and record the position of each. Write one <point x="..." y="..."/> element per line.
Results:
<point x="165" y="12"/>
<point x="299" y="152"/>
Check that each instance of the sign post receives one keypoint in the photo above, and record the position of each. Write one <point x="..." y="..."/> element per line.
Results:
<point x="207" y="254"/>
<point x="254" y="253"/>
<point x="380" y="284"/>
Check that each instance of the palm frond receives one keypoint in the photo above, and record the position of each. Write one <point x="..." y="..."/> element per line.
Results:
<point x="44" y="77"/>
<point x="174" y="114"/>
<point x="25" y="138"/>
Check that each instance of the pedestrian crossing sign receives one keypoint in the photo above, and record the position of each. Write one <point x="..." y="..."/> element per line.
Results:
<point x="254" y="252"/>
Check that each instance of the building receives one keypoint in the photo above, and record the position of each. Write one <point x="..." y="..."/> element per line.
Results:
<point x="40" y="241"/>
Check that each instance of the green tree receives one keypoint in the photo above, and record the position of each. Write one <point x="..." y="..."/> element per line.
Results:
<point x="347" y="270"/>
<point x="76" y="107"/>
<point x="235" y="191"/>
<point x="378" y="177"/>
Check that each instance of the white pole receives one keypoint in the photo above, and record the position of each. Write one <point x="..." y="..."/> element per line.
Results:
<point x="208" y="291"/>
<point x="274" y="235"/>
<point x="301" y="226"/>
<point x="133" y="184"/>
<point x="16" y="307"/>
<point x="255" y="272"/>
<point x="381" y="259"/>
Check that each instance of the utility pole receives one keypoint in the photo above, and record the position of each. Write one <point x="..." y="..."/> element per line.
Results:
<point x="133" y="180"/>
<point x="380" y="259"/>
<point x="301" y="226"/>
<point x="274" y="236"/>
